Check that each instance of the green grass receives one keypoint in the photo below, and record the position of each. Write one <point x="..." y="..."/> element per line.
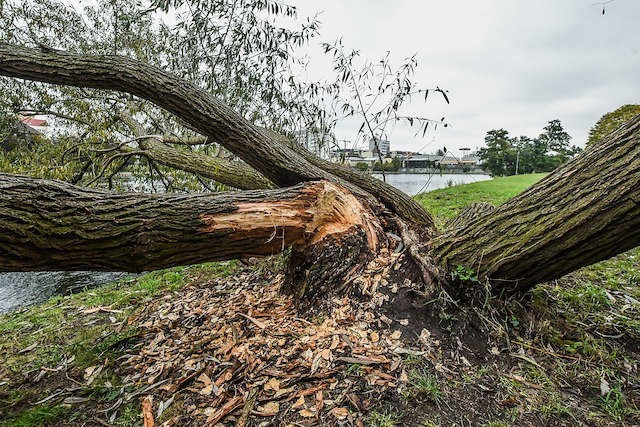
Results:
<point x="423" y="385"/>
<point x="446" y="202"/>
<point x="378" y="419"/>
<point x="86" y="329"/>
<point x="38" y="416"/>
<point x="591" y="315"/>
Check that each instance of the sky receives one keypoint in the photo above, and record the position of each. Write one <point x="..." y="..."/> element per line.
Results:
<point x="512" y="64"/>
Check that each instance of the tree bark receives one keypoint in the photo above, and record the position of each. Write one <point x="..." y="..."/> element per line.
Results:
<point x="585" y="211"/>
<point x="51" y="225"/>
<point x="469" y="214"/>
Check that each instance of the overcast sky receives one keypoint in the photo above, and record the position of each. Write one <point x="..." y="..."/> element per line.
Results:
<point x="511" y="64"/>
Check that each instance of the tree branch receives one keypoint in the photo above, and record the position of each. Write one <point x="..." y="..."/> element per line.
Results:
<point x="210" y="117"/>
<point x="52" y="225"/>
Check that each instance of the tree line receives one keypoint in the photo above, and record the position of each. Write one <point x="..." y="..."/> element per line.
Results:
<point x="506" y="155"/>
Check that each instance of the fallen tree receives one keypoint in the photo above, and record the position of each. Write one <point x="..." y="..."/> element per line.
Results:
<point x="586" y="211"/>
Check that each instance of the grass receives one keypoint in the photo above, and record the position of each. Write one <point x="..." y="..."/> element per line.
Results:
<point x="423" y="385"/>
<point x="378" y="419"/>
<point x="446" y="202"/>
<point x="69" y="334"/>
<point x="591" y="318"/>
<point x="40" y="415"/>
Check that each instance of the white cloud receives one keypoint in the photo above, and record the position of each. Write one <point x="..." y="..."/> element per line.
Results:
<point x="508" y="64"/>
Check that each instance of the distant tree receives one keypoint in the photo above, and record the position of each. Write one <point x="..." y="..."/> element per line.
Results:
<point x="499" y="156"/>
<point x="362" y="166"/>
<point x="526" y="154"/>
<point x="392" y="166"/>
<point x="558" y="141"/>
<point x="542" y="154"/>
<point x="612" y="121"/>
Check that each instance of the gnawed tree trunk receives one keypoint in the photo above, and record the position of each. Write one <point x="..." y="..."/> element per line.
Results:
<point x="586" y="211"/>
<point x="51" y="225"/>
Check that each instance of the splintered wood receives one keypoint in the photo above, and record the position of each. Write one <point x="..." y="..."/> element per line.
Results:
<point x="237" y="351"/>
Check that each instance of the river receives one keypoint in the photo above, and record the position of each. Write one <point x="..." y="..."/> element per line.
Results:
<point x="414" y="183"/>
<point x="21" y="289"/>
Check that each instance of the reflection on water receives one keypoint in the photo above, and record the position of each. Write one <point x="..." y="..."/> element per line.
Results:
<point x="413" y="184"/>
<point x="20" y="289"/>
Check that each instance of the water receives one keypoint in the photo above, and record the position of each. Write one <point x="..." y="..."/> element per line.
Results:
<point x="20" y="289"/>
<point x="414" y="183"/>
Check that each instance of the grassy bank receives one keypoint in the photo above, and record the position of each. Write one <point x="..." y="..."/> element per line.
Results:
<point x="446" y="202"/>
<point x="565" y="354"/>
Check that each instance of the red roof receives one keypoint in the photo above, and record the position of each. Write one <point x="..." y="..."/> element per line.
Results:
<point x="32" y="121"/>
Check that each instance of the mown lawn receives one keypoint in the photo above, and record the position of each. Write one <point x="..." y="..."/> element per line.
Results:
<point x="446" y="202"/>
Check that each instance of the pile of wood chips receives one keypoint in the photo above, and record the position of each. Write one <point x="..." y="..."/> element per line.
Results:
<point x="237" y="351"/>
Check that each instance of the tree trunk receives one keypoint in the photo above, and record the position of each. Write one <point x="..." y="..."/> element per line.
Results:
<point x="234" y="174"/>
<point x="51" y="225"/>
<point x="585" y="211"/>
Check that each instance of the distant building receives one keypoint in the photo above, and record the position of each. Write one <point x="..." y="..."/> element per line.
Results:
<point x="467" y="160"/>
<point x="314" y="142"/>
<point x="383" y="144"/>
<point x="22" y="130"/>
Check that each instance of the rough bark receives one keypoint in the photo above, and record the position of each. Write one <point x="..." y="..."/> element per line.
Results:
<point x="265" y="153"/>
<point x="231" y="173"/>
<point x="234" y="174"/>
<point x="586" y="211"/>
<point x="469" y="214"/>
<point x="51" y="225"/>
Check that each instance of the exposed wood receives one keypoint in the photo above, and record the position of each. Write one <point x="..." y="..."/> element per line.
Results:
<point x="586" y="211"/>
<point x="51" y="225"/>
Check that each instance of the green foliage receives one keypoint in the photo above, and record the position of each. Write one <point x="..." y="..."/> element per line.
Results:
<point x="611" y="121"/>
<point x="243" y="52"/>
<point x="362" y="166"/>
<point x="499" y="156"/>
<point x="41" y="158"/>
<point x="464" y="274"/>
<point x="505" y="155"/>
<point x="391" y="166"/>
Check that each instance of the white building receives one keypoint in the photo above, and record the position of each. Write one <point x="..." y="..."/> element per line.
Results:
<point x="316" y="143"/>
<point x="383" y="144"/>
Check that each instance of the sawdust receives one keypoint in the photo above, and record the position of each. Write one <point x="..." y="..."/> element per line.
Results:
<point x="239" y="349"/>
